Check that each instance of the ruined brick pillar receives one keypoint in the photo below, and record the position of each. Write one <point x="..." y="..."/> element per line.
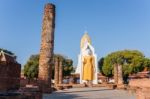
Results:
<point x="47" y="46"/>
<point x="120" y="75"/>
<point x="56" y="76"/>
<point x="60" y="72"/>
<point x="116" y="73"/>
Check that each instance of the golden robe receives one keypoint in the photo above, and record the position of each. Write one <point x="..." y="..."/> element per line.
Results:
<point x="88" y="68"/>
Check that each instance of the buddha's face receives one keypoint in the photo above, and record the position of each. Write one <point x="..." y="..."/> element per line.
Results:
<point x="88" y="51"/>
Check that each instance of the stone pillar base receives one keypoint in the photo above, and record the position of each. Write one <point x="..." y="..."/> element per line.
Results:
<point x="44" y="88"/>
<point x="30" y="93"/>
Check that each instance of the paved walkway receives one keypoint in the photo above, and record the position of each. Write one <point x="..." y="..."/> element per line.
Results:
<point x="90" y="93"/>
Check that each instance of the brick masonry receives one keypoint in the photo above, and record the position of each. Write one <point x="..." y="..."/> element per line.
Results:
<point x="56" y="71"/>
<point x="118" y="74"/>
<point x="10" y="72"/>
<point x="142" y="87"/>
<point x="47" y="47"/>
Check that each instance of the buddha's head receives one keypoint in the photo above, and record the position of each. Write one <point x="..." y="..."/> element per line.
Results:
<point x="88" y="51"/>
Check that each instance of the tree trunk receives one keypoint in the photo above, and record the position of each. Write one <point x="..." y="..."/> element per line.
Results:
<point x="47" y="46"/>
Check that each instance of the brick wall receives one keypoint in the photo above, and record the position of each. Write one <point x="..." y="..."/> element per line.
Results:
<point x="142" y="87"/>
<point x="9" y="76"/>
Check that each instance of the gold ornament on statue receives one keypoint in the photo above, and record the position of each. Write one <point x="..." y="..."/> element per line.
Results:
<point x="85" y="39"/>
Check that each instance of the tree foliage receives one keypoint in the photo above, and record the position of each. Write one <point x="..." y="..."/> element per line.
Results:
<point x="31" y="68"/>
<point x="66" y="63"/>
<point x="100" y="64"/>
<point x="147" y="64"/>
<point x="67" y="67"/>
<point x="133" y="61"/>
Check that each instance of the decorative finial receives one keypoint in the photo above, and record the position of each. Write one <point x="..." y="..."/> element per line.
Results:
<point x="85" y="39"/>
<point x="85" y="30"/>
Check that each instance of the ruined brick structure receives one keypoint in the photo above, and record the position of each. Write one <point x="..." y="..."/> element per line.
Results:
<point x="10" y="72"/>
<point x="116" y="73"/>
<point x="47" y="46"/>
<point x="142" y="87"/>
<point x="56" y="76"/>
<point x="58" y="72"/>
<point x="118" y="76"/>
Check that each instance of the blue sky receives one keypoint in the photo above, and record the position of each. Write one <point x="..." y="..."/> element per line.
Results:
<point x="112" y="25"/>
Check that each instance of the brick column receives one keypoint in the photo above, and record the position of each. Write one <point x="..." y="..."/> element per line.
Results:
<point x="47" y="46"/>
<point x="60" y="72"/>
<point x="56" y="77"/>
<point x="116" y="73"/>
<point x="120" y="76"/>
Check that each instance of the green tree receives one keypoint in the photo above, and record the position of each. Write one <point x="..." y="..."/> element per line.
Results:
<point x="100" y="64"/>
<point x="66" y="63"/>
<point x="107" y="67"/>
<point x="147" y="64"/>
<point x="133" y="61"/>
<point x="67" y="67"/>
<point x="31" y="68"/>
